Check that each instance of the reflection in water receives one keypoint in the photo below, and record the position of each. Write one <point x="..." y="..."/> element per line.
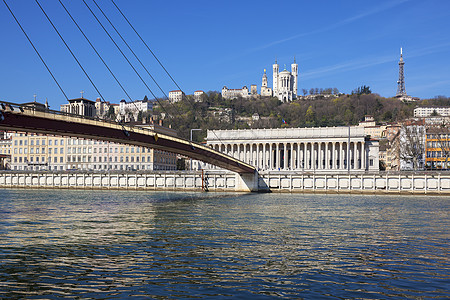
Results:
<point x="121" y="244"/>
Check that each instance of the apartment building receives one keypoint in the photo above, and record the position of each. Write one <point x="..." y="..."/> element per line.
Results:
<point x="46" y="152"/>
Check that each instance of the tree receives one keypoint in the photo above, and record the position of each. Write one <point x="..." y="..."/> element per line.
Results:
<point x="181" y="164"/>
<point x="110" y="114"/>
<point x="305" y="91"/>
<point x="411" y="145"/>
<point x="310" y="115"/>
<point x="362" y="90"/>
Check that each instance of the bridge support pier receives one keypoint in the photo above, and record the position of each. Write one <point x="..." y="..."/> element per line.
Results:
<point x="247" y="182"/>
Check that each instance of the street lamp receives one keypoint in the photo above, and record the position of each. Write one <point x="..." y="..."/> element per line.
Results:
<point x="193" y="129"/>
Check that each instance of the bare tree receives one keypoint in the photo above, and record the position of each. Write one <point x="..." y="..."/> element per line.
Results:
<point x="411" y="145"/>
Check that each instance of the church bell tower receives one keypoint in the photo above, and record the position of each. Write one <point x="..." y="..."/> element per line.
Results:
<point x="276" y="68"/>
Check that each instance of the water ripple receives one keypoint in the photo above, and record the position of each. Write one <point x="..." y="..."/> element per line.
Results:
<point x="96" y="244"/>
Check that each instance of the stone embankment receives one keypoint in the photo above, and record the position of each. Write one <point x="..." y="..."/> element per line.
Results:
<point x="407" y="183"/>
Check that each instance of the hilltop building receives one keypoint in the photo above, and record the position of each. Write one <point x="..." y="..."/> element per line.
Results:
<point x="101" y="108"/>
<point x="198" y="95"/>
<point x="129" y="110"/>
<point x="420" y="112"/>
<point x="265" y="90"/>
<point x="285" y="83"/>
<point x="80" y="106"/>
<point x="235" y="93"/>
<point x="175" y="96"/>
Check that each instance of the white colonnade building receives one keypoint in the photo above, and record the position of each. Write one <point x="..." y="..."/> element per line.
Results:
<point x="323" y="149"/>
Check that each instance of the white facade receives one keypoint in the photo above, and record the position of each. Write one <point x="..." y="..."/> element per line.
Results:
<point x="198" y="95"/>
<point x="80" y="106"/>
<point x="56" y="153"/>
<point x="235" y="93"/>
<point x="285" y="83"/>
<point x="175" y="96"/>
<point x="420" y="112"/>
<point x="101" y="108"/>
<point x="326" y="149"/>
<point x="127" y="109"/>
<point x="265" y="90"/>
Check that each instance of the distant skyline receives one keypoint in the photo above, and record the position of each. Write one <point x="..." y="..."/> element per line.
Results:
<point x="206" y="45"/>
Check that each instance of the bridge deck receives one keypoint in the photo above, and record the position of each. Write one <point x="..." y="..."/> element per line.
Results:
<point x="58" y="123"/>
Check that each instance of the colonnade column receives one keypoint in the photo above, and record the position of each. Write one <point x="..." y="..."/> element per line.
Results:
<point x="363" y="159"/>
<point x="292" y="157"/>
<point x="331" y="158"/>
<point x="277" y="157"/>
<point x="270" y="156"/>
<point x="355" y="155"/>
<point x="319" y="156"/>
<point x="308" y="156"/>
<point x="257" y="156"/>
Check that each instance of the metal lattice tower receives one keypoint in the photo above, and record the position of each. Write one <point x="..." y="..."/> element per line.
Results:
<point x="401" y="77"/>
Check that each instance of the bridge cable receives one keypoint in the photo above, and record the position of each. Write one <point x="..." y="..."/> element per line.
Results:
<point x="156" y="58"/>
<point x="68" y="48"/>
<point x="131" y="50"/>
<point x="37" y="52"/>
<point x="123" y="54"/>
<point x="146" y="45"/>
<point x="98" y="54"/>
<point x="137" y="58"/>
<point x="95" y="50"/>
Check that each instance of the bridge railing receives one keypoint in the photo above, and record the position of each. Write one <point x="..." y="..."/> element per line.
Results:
<point x="55" y="114"/>
<point x="44" y="112"/>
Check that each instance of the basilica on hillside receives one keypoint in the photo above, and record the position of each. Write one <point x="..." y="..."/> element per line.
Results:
<point x="285" y="85"/>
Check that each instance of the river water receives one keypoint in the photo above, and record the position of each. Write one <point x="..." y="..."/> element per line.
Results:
<point x="121" y="244"/>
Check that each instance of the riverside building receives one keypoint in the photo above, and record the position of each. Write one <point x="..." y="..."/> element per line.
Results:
<point x="328" y="149"/>
<point x="45" y="152"/>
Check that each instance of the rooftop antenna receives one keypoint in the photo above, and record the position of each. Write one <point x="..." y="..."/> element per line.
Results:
<point x="82" y="92"/>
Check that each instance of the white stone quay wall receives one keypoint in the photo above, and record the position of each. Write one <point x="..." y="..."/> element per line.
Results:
<point x="231" y="182"/>
<point x="357" y="183"/>
<point x="179" y="181"/>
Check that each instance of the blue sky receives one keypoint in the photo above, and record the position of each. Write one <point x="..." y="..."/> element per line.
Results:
<point x="208" y="44"/>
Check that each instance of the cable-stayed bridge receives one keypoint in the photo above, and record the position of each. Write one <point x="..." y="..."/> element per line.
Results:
<point x="15" y="117"/>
